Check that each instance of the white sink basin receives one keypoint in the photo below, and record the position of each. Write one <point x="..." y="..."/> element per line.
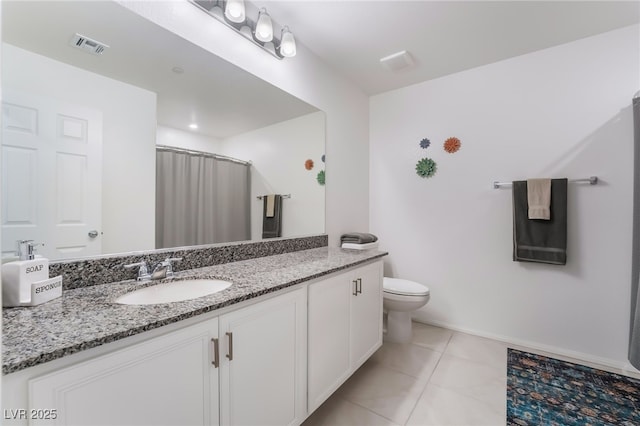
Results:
<point x="173" y="292"/>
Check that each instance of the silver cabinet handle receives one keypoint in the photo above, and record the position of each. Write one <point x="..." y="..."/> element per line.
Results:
<point x="359" y="286"/>
<point x="93" y="233"/>
<point x="216" y="356"/>
<point x="230" y="354"/>
<point x="355" y="287"/>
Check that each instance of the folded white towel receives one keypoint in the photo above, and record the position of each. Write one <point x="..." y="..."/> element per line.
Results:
<point x="539" y="198"/>
<point x="355" y="246"/>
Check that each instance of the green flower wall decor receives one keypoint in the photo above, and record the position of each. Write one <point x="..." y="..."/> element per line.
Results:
<point x="320" y="177"/>
<point x="426" y="167"/>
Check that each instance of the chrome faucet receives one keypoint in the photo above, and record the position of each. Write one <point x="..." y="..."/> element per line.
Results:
<point x="162" y="270"/>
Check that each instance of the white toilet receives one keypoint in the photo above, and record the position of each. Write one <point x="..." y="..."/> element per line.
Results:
<point x="400" y="298"/>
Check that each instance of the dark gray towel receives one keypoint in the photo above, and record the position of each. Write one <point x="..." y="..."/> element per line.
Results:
<point x="272" y="226"/>
<point x="358" y="238"/>
<point x="536" y="240"/>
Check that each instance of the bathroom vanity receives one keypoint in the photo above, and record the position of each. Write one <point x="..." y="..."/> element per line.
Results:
<point x="267" y="350"/>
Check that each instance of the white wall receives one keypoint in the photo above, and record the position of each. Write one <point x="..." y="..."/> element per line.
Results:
<point x="278" y="154"/>
<point x="129" y="127"/>
<point x="308" y="78"/>
<point x="563" y="111"/>
<point x="188" y="140"/>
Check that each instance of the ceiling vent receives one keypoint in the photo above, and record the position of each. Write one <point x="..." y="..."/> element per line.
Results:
<point x="397" y="61"/>
<point x="87" y="44"/>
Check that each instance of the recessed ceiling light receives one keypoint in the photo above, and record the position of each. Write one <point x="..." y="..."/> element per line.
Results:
<point x="193" y="126"/>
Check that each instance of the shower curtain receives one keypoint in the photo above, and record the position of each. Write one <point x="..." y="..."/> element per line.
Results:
<point x="634" y="342"/>
<point x="200" y="199"/>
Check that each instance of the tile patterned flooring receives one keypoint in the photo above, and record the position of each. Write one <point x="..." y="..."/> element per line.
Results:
<point x="441" y="378"/>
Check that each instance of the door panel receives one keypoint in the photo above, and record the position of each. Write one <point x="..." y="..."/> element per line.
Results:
<point x="51" y="175"/>
<point x="264" y="382"/>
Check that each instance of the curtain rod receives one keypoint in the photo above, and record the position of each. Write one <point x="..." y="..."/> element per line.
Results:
<point x="201" y="153"/>
<point x="260" y="197"/>
<point x="591" y="180"/>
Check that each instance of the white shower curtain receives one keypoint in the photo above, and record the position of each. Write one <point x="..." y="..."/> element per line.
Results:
<point x="200" y="199"/>
<point x="634" y="340"/>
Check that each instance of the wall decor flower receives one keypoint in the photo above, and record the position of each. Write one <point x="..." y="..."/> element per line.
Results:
<point x="424" y="143"/>
<point x="320" y="178"/>
<point x="452" y="145"/>
<point x="426" y="167"/>
<point x="322" y="158"/>
<point x="308" y="164"/>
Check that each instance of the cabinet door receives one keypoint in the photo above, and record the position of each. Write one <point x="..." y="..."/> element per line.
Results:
<point x="366" y="313"/>
<point x="263" y="372"/>
<point x="168" y="380"/>
<point x="329" y="365"/>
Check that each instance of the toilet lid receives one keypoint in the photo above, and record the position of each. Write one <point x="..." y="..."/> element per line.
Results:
<point x="404" y="287"/>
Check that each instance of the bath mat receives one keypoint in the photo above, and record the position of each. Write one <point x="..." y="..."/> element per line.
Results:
<point x="547" y="391"/>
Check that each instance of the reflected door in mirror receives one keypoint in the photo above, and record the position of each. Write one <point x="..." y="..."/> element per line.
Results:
<point x="51" y="175"/>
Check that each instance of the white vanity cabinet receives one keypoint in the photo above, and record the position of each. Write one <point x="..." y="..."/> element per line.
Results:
<point x="260" y="377"/>
<point x="345" y="328"/>
<point x="267" y="361"/>
<point x="263" y="362"/>
<point x="165" y="380"/>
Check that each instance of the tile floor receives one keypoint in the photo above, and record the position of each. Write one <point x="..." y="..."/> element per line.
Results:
<point x="441" y="378"/>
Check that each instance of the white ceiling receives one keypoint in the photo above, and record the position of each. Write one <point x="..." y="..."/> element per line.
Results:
<point x="444" y="37"/>
<point x="221" y="98"/>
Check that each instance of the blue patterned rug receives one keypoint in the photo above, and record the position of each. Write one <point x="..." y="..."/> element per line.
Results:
<point x="547" y="391"/>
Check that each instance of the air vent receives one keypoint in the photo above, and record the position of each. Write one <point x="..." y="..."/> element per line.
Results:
<point x="87" y="44"/>
<point x="397" y="61"/>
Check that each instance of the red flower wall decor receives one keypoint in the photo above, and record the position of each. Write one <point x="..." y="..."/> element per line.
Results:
<point x="308" y="164"/>
<point x="452" y="145"/>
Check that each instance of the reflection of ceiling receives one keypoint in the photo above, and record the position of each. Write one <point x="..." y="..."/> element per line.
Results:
<point x="444" y="37"/>
<point x="215" y="94"/>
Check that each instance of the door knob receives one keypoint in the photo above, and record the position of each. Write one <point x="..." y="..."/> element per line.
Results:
<point x="93" y="234"/>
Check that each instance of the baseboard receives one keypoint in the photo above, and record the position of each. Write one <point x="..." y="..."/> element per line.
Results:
<point x="597" y="362"/>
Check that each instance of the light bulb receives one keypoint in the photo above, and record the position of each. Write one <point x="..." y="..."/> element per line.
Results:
<point x="287" y="43"/>
<point x="264" y="28"/>
<point x="234" y="11"/>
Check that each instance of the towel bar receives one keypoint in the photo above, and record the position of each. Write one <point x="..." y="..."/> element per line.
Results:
<point x="260" y="197"/>
<point x="591" y="180"/>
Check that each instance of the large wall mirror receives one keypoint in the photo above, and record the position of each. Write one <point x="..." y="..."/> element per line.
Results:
<point x="91" y="142"/>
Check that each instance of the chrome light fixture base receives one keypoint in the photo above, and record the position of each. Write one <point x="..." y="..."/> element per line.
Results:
<point x="247" y="28"/>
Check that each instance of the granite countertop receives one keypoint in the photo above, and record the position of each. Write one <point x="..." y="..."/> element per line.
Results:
<point x="87" y="317"/>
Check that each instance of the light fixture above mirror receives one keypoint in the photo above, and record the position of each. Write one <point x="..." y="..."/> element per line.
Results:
<point x="234" y="11"/>
<point x="252" y="23"/>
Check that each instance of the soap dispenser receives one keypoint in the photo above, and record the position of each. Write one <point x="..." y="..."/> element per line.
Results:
<point x="18" y="276"/>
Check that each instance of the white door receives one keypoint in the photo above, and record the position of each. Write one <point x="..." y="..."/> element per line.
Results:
<point x="263" y="354"/>
<point x="168" y="380"/>
<point x="366" y="313"/>
<point x="51" y="175"/>
<point x="329" y="340"/>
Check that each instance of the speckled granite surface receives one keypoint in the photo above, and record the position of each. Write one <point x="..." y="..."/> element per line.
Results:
<point x="86" y="317"/>
<point x="108" y="269"/>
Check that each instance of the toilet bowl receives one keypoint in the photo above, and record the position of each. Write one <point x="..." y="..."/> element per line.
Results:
<point x="400" y="299"/>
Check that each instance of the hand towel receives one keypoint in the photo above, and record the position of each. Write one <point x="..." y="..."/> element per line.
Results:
<point x="272" y="226"/>
<point x="539" y="198"/>
<point x="358" y="238"/>
<point x="543" y="241"/>
<point x="270" y="205"/>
